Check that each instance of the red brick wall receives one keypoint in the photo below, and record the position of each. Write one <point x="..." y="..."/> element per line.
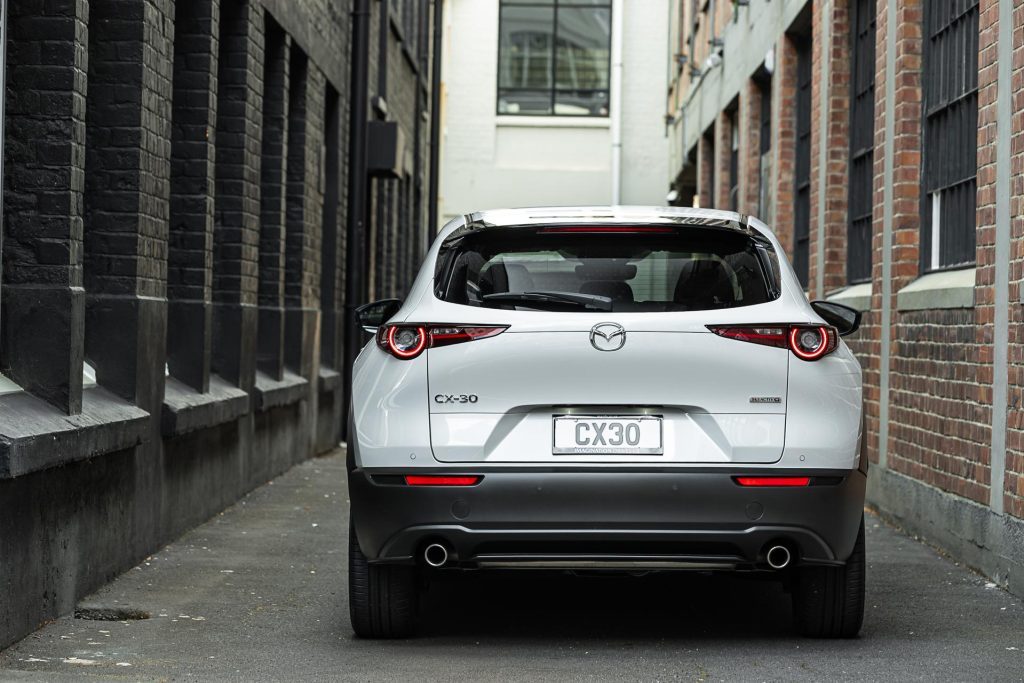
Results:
<point x="837" y="140"/>
<point x="940" y="363"/>
<point x="784" y="140"/>
<point x="723" y="150"/>
<point x="750" y="148"/>
<point x="1013" y="498"/>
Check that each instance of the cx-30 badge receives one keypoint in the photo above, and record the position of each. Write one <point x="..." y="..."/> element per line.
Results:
<point x="607" y="336"/>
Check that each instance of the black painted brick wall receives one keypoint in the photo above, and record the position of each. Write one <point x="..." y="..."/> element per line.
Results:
<point x="141" y="227"/>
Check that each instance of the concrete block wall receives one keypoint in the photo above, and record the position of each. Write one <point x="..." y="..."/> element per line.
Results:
<point x="175" y="212"/>
<point x="942" y="370"/>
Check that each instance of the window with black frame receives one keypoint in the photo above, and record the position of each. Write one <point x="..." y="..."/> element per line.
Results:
<point x="949" y="161"/>
<point x="802" y="174"/>
<point x="862" y="143"/>
<point x="554" y="57"/>
<point x="765" y="152"/>
<point x="734" y="161"/>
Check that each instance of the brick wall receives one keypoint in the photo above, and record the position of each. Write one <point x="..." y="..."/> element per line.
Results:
<point x="1014" y="488"/>
<point x="175" y="205"/>
<point x="929" y="364"/>
<point x="190" y="235"/>
<point x="44" y="181"/>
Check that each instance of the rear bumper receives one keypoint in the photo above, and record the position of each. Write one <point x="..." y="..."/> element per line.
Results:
<point x="701" y="519"/>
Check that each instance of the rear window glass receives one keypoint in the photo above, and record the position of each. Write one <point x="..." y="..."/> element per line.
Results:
<point x="689" y="269"/>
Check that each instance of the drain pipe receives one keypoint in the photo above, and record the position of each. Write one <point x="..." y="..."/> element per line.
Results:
<point x="435" y="120"/>
<point x="615" y="112"/>
<point x="357" y="193"/>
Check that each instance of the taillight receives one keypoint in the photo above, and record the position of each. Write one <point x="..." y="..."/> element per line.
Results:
<point x="406" y="341"/>
<point x="807" y="342"/>
<point x="811" y="343"/>
<point x="441" y="480"/>
<point x="773" y="481"/>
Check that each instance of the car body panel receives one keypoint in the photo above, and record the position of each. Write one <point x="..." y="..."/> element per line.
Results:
<point x="543" y="365"/>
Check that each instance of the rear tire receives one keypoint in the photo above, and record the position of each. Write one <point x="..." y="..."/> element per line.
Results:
<point x="828" y="602"/>
<point x="382" y="599"/>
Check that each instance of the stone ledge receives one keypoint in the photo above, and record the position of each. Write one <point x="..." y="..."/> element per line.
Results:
<point x="530" y="121"/>
<point x="271" y="393"/>
<point x="854" y="296"/>
<point x="36" y="436"/>
<point x="328" y="380"/>
<point x="944" y="289"/>
<point x="186" y="410"/>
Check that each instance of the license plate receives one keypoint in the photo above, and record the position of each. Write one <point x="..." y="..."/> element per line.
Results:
<point x="602" y="435"/>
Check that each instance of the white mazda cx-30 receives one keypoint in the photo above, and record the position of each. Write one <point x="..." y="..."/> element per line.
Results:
<point x="612" y="389"/>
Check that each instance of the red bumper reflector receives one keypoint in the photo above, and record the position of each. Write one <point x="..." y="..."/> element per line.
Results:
<point x="773" y="481"/>
<point x="440" y="480"/>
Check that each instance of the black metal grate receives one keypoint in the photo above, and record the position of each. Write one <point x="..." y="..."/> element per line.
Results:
<point x="764" y="157"/>
<point x="709" y="136"/>
<point x="862" y="143"/>
<point x="802" y="176"/>
<point x="734" y="162"/>
<point x="949" y="163"/>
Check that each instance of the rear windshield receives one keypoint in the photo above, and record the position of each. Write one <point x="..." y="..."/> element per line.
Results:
<point x="567" y="269"/>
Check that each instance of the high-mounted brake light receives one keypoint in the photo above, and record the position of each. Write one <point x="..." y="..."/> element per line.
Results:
<point x="441" y="480"/>
<point x="405" y="341"/>
<point x="807" y="342"/>
<point x="773" y="481"/>
<point x="619" y="229"/>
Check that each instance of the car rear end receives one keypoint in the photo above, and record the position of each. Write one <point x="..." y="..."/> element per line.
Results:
<point x="615" y="393"/>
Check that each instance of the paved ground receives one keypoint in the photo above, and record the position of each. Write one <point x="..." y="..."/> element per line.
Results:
<point x="258" y="593"/>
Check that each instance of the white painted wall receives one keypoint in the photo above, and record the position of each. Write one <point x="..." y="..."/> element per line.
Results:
<point x="645" y="63"/>
<point x="490" y="161"/>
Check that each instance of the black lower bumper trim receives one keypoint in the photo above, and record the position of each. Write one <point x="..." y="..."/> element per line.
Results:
<point x="573" y="519"/>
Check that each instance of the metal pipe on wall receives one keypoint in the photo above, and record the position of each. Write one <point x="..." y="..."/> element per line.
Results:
<point x="616" y="101"/>
<point x="357" y="192"/>
<point x="435" y="117"/>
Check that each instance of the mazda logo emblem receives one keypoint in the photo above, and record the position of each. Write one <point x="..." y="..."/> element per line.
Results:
<point x="607" y="336"/>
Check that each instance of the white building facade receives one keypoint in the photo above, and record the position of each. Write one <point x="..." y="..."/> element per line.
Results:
<point x="553" y="102"/>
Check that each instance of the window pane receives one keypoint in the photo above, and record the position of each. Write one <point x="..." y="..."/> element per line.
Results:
<point x="582" y="54"/>
<point x="581" y="102"/>
<point x="529" y="102"/>
<point x="692" y="270"/>
<point x="525" y="51"/>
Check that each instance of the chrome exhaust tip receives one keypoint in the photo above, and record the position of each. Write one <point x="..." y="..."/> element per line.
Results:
<point x="778" y="557"/>
<point x="436" y="555"/>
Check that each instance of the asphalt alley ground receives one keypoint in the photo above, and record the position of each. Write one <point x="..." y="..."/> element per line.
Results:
<point x="258" y="593"/>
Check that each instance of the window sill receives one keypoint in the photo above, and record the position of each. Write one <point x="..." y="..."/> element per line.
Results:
<point x="8" y="386"/>
<point x="186" y="410"/>
<point x="854" y="296"/>
<point x="328" y="380"/>
<point x="510" y="121"/>
<point x="36" y="436"/>
<point x="945" y="289"/>
<point x="271" y="393"/>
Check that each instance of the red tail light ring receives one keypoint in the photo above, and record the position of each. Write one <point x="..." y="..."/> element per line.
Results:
<point x="407" y="340"/>
<point x="810" y="343"/>
<point x="807" y="342"/>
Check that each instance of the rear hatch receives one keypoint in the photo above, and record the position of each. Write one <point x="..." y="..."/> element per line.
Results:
<point x="608" y="357"/>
